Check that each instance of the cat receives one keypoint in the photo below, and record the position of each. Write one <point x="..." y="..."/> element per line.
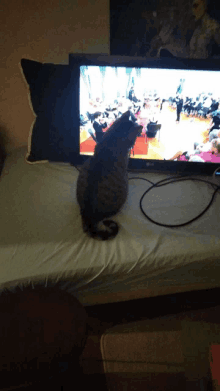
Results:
<point x="102" y="184"/>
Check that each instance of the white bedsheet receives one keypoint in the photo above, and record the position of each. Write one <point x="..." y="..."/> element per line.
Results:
<point x="41" y="236"/>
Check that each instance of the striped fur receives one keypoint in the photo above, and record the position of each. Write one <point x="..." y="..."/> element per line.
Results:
<point x="102" y="185"/>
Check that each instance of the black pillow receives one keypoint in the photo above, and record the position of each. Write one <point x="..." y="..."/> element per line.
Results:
<point x="52" y="91"/>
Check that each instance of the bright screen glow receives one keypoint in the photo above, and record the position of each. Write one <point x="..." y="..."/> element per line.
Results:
<point x="177" y="108"/>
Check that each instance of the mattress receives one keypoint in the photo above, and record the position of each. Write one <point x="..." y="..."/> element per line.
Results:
<point x="41" y="236"/>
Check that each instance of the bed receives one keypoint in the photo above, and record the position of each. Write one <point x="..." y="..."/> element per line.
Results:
<point x="41" y="236"/>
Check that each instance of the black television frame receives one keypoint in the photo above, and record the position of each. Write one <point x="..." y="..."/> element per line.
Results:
<point x="139" y="165"/>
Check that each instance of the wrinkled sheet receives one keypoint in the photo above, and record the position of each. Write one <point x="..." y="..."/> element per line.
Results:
<point x="41" y="236"/>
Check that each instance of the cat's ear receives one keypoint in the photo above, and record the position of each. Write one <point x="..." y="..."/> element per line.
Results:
<point x="126" y="115"/>
<point x="121" y="120"/>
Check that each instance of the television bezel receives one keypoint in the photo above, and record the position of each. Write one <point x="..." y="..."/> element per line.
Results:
<point x="148" y="165"/>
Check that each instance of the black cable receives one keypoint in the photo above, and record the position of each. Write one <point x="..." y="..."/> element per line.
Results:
<point x="143" y="179"/>
<point x="158" y="184"/>
<point x="168" y="181"/>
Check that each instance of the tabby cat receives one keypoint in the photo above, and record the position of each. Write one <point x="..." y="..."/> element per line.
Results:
<point x="102" y="185"/>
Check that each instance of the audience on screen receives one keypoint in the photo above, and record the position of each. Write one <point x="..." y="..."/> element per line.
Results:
<point x="202" y="152"/>
<point x="147" y="110"/>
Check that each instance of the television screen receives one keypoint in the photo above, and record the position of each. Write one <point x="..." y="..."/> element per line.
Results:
<point x="177" y="105"/>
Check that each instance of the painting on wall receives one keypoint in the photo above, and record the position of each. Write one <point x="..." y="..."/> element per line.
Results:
<point x="165" y="28"/>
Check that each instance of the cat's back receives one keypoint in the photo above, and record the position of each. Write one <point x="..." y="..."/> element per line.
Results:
<point x="103" y="182"/>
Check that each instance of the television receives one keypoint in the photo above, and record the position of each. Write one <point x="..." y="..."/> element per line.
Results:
<point x="152" y="89"/>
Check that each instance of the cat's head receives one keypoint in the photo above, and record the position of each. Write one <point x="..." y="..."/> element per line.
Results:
<point x="123" y="131"/>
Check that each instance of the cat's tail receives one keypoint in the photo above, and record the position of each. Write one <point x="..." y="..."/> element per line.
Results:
<point x="104" y="230"/>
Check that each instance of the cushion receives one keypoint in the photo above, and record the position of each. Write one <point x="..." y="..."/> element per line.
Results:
<point x="51" y="92"/>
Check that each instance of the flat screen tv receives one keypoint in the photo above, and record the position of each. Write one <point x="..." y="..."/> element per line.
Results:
<point x="175" y="100"/>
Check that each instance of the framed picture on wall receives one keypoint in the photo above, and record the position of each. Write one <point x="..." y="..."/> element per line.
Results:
<point x="165" y="28"/>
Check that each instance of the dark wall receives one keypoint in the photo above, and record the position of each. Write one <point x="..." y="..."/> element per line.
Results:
<point x="134" y="24"/>
<point x="127" y="25"/>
